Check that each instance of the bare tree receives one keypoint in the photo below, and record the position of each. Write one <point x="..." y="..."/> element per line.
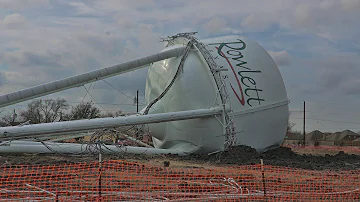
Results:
<point x="44" y="111"/>
<point x="85" y="110"/>
<point x="290" y="127"/>
<point x="11" y="119"/>
<point x="112" y="114"/>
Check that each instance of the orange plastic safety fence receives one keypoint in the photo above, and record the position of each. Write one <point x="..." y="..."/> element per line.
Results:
<point x="127" y="181"/>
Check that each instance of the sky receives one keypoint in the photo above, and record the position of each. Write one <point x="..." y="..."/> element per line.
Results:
<point x="315" y="44"/>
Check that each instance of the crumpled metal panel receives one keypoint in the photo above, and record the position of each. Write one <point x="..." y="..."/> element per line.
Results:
<point x="193" y="89"/>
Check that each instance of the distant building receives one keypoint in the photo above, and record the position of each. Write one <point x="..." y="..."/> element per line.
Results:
<point x="314" y="137"/>
<point x="344" y="138"/>
<point x="356" y="142"/>
<point x="293" y="139"/>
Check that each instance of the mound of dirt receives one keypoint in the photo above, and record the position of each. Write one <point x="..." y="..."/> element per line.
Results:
<point x="282" y="156"/>
<point x="239" y="155"/>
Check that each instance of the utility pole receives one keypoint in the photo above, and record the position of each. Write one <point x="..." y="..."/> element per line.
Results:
<point x="137" y="101"/>
<point x="304" y="124"/>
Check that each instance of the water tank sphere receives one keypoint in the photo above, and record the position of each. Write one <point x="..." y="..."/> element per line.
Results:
<point x="247" y="82"/>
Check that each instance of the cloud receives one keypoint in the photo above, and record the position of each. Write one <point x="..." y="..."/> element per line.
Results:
<point x="255" y="23"/>
<point x="3" y="79"/>
<point x="281" y="58"/>
<point x="50" y="52"/>
<point x="13" y="21"/>
<point x="83" y="9"/>
<point x="328" y="19"/>
<point x="215" y="25"/>
<point x="350" y="5"/>
<point x="351" y="86"/>
<point x="21" y="4"/>
<point x="336" y="75"/>
<point x="302" y="14"/>
<point x="317" y="41"/>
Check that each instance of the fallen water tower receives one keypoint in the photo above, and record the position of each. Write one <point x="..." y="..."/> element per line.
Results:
<point x="203" y="96"/>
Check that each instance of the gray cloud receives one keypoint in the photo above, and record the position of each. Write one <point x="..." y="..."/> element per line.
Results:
<point x="351" y="5"/>
<point x="352" y="86"/>
<point x="13" y="21"/>
<point x="83" y="9"/>
<point x="21" y="4"/>
<point x="50" y="53"/>
<point x="337" y="75"/>
<point x="215" y="25"/>
<point x="3" y="79"/>
<point x="281" y="58"/>
<point x="94" y="34"/>
<point x="328" y="19"/>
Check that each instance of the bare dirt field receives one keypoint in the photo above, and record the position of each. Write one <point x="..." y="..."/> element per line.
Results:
<point x="225" y="176"/>
<point x="240" y="155"/>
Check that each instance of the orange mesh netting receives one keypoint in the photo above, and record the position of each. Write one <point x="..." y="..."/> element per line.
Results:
<point x="127" y="181"/>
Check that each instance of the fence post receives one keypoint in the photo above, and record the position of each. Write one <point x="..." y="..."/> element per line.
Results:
<point x="304" y="126"/>
<point x="100" y="162"/>
<point x="263" y="178"/>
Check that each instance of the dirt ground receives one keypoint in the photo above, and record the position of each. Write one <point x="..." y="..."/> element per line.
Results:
<point x="240" y="155"/>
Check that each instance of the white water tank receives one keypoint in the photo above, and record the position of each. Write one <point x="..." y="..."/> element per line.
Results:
<point x="253" y="85"/>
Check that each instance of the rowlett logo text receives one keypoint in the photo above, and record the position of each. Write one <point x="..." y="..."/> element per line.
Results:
<point x="247" y="92"/>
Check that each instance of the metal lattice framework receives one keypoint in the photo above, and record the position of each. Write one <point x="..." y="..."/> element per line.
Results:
<point x="227" y="122"/>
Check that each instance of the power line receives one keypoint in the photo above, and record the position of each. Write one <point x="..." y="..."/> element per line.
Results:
<point x="82" y="100"/>
<point x="321" y="103"/>
<point x="116" y="89"/>
<point x="119" y="90"/>
<point x="322" y="112"/>
<point x="335" y="113"/>
<point x="334" y="103"/>
<point x="95" y="100"/>
<point x="336" y="121"/>
<point x="103" y="103"/>
<point x="113" y="104"/>
<point x="317" y="121"/>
